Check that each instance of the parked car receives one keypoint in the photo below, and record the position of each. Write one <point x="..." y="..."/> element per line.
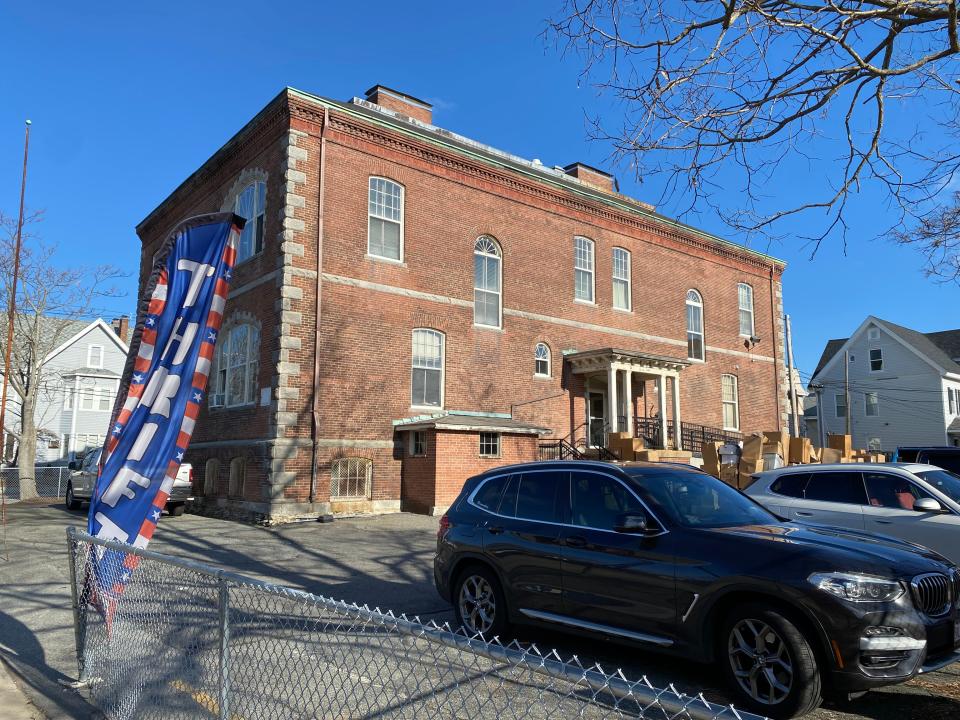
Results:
<point x="83" y="480"/>
<point x="946" y="457"/>
<point x="672" y="559"/>
<point x="917" y="503"/>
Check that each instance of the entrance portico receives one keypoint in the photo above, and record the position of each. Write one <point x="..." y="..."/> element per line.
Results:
<point x="617" y="369"/>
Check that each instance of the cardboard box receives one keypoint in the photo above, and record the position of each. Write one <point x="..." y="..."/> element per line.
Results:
<point x="677" y="456"/>
<point x="730" y="475"/>
<point x="800" y="450"/>
<point x="772" y="461"/>
<point x="843" y="443"/>
<point x="752" y="448"/>
<point x="744" y="480"/>
<point x="711" y="458"/>
<point x="647" y="455"/>
<point x="773" y="449"/>
<point x="777" y="436"/>
<point x="815" y="454"/>
<point x="830" y="455"/>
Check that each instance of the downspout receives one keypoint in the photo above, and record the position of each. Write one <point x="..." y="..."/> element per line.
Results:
<point x="776" y="370"/>
<point x="316" y="340"/>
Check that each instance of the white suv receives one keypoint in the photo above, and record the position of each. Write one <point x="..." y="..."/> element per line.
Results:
<point x="917" y="503"/>
<point x="82" y="482"/>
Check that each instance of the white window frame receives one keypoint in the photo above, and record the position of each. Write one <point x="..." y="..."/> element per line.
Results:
<point x="497" y="438"/>
<point x="352" y="463"/>
<point x="951" y="401"/>
<point x="537" y="359"/>
<point x="370" y="214"/>
<point x="873" y="333"/>
<point x="90" y="363"/>
<point x="741" y="308"/>
<point x="443" y="365"/>
<point x="698" y="304"/>
<point x="589" y="250"/>
<point x="486" y="246"/>
<point x="734" y="403"/>
<point x="866" y="403"/>
<point x="870" y="359"/>
<point x="837" y="398"/>
<point x="256" y="222"/>
<point x="413" y="443"/>
<point x="626" y="278"/>
<point x="224" y="364"/>
<point x="91" y="398"/>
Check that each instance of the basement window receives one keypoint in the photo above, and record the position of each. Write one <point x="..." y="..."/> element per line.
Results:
<point x="490" y="444"/>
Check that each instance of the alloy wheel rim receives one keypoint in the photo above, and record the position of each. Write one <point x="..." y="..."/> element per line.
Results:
<point x="478" y="604"/>
<point x="69" y="494"/>
<point x="760" y="661"/>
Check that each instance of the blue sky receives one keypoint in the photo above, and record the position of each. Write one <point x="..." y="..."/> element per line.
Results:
<point x="128" y="98"/>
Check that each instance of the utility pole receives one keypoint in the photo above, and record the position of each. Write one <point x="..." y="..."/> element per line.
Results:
<point x="846" y="387"/>
<point x="795" y="418"/>
<point x="821" y="433"/>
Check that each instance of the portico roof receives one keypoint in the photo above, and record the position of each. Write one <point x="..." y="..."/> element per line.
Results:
<point x="600" y="359"/>
<point x="466" y="421"/>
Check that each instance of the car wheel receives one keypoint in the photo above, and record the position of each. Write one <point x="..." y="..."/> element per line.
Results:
<point x="479" y="603"/>
<point x="769" y="664"/>
<point x="177" y="510"/>
<point x="71" y="500"/>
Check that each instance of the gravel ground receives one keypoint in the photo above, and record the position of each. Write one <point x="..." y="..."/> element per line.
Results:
<point x="383" y="561"/>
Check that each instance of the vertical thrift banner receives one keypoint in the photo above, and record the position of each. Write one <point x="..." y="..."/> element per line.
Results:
<point x="163" y="386"/>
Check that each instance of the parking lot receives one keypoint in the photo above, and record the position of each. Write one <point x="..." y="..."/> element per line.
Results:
<point x="381" y="561"/>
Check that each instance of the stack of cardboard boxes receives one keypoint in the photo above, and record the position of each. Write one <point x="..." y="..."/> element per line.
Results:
<point x="629" y="448"/>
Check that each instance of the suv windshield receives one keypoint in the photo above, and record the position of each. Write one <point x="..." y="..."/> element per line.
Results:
<point x="943" y="480"/>
<point x="694" y="499"/>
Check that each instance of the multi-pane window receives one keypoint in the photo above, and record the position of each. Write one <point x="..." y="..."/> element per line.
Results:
<point x="489" y="444"/>
<point x="745" y="304"/>
<point x="621" y="279"/>
<point x="840" y="404"/>
<point x="95" y="356"/>
<point x="385" y="219"/>
<point x="350" y="478"/>
<point x="694" y="325"/>
<point x="541" y="360"/>
<point x="731" y="402"/>
<point x="583" y="269"/>
<point x="95" y="399"/>
<point x="251" y="203"/>
<point x="876" y="360"/>
<point x="236" y="367"/>
<point x="427" y="369"/>
<point x="486" y="282"/>
<point x="871" y="404"/>
<point x="418" y="443"/>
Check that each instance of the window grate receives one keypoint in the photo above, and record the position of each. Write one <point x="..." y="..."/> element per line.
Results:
<point x="350" y="479"/>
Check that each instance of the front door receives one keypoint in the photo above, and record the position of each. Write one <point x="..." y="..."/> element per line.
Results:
<point x="597" y="404"/>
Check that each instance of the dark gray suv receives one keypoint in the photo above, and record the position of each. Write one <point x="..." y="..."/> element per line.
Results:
<point x="674" y="560"/>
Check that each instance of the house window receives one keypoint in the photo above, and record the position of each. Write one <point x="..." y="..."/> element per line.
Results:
<point x="350" y="478"/>
<point x="490" y="444"/>
<point x="95" y="356"/>
<point x="427" y="369"/>
<point x="68" y="395"/>
<point x="486" y="282"/>
<point x="876" y="360"/>
<point x="694" y="325"/>
<point x="873" y="333"/>
<point x="210" y="472"/>
<point x="745" y="303"/>
<point x="871" y="404"/>
<point x="238" y="476"/>
<point x="840" y="405"/>
<point x="251" y="204"/>
<point x="583" y="269"/>
<point x="236" y="365"/>
<point x="731" y="402"/>
<point x="385" y="219"/>
<point x="418" y="443"/>
<point x="621" y="279"/>
<point x="951" y="399"/>
<point x="541" y="360"/>
<point x="95" y="399"/>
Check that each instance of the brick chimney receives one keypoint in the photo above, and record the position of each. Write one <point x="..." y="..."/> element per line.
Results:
<point x="121" y="326"/>
<point x="591" y="176"/>
<point x="401" y="103"/>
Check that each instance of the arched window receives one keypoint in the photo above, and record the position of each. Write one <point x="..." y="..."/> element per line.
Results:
<point x="694" y="325"/>
<point x="250" y="204"/>
<point x="210" y="472"/>
<point x="541" y="360"/>
<point x="237" y="361"/>
<point x="350" y="478"/>
<point x="238" y="476"/>
<point x="621" y="279"/>
<point x="583" y="269"/>
<point x="730" y="397"/>
<point x="385" y="219"/>
<point x="426" y="381"/>
<point x="745" y="304"/>
<point x="486" y="282"/>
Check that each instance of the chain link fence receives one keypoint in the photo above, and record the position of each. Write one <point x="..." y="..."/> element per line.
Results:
<point x="187" y="640"/>
<point x="51" y="482"/>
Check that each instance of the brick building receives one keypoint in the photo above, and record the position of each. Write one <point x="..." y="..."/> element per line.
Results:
<point x="466" y="303"/>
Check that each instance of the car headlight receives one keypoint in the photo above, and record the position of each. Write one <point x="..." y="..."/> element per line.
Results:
<point x="857" y="588"/>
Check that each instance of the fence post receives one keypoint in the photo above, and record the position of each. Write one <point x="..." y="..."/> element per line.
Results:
<point x="78" y="631"/>
<point x="59" y="481"/>
<point x="224" y="608"/>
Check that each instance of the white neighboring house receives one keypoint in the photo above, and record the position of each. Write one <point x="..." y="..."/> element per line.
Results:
<point x="904" y="386"/>
<point x="81" y="382"/>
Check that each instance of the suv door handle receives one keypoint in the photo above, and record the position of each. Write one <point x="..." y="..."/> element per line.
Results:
<point x="803" y="513"/>
<point x="495" y="530"/>
<point x="884" y="522"/>
<point x="576" y="541"/>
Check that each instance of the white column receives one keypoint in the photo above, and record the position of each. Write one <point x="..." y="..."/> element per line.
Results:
<point x="628" y="398"/>
<point x="612" y="408"/>
<point x="678" y="435"/>
<point x="662" y="407"/>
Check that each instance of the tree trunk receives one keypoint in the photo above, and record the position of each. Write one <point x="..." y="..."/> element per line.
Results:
<point x="27" y="453"/>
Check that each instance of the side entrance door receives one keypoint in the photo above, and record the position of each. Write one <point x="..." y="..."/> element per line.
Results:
<point x="597" y="406"/>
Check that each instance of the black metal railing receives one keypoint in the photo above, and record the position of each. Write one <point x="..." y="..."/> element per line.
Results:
<point x="692" y="435"/>
<point x="559" y="450"/>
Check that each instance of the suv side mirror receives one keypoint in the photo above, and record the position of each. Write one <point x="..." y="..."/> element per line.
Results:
<point x="73" y="465"/>
<point x="927" y="505"/>
<point x="635" y="523"/>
